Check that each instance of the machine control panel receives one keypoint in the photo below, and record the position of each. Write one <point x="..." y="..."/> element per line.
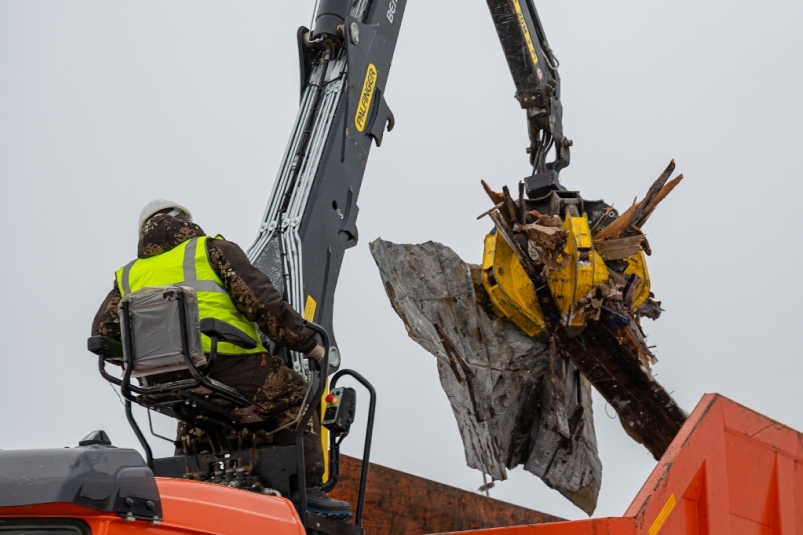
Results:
<point x="339" y="413"/>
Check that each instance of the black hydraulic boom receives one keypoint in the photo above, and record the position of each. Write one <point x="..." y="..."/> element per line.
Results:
<point x="345" y="59"/>
<point x="311" y="217"/>
<point x="535" y="72"/>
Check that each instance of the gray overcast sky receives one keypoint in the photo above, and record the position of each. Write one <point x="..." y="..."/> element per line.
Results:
<point x="106" y="105"/>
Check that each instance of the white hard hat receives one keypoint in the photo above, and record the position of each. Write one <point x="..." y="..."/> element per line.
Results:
<point x="160" y="205"/>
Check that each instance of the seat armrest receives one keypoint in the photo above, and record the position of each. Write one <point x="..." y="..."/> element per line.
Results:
<point x="226" y="333"/>
<point x="105" y="347"/>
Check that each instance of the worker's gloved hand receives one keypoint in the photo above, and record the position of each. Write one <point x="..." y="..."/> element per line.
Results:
<point x="316" y="354"/>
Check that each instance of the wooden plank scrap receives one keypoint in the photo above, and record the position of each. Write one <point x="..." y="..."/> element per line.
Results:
<point x="619" y="225"/>
<point x="489" y="210"/>
<point x="496" y="197"/>
<point x="658" y="198"/>
<point x="645" y="409"/>
<point x="619" y="248"/>
<point x="639" y="212"/>
<point x="652" y="193"/>
<point x="512" y="211"/>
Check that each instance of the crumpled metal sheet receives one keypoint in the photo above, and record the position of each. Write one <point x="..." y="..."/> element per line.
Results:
<point x="515" y="402"/>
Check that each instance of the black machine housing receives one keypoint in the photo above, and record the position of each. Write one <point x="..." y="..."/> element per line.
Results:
<point x="94" y="475"/>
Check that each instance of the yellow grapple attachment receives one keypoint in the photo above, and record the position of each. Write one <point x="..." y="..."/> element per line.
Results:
<point x="512" y="291"/>
<point x="637" y="264"/>
<point x="584" y="271"/>
<point x="510" y="288"/>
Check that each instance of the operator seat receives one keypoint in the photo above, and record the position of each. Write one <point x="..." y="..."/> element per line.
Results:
<point x="226" y="441"/>
<point x="161" y="332"/>
<point x="162" y="349"/>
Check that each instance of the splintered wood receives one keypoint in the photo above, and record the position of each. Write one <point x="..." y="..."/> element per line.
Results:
<point x="611" y="351"/>
<point x="546" y="240"/>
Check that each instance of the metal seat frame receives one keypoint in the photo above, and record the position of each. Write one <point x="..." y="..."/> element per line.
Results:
<point x="164" y="396"/>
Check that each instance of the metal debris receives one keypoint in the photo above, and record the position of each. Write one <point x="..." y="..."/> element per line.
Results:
<point x="515" y="400"/>
<point x="611" y="350"/>
<point x="523" y="400"/>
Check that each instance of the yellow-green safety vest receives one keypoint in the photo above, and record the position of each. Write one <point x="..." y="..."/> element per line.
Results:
<point x="188" y="265"/>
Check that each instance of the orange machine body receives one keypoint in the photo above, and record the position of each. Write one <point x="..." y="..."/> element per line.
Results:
<point x="729" y="471"/>
<point x="189" y="507"/>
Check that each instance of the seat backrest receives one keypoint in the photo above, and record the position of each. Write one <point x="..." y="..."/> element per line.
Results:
<point x="154" y="326"/>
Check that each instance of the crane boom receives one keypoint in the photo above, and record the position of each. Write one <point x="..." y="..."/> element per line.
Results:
<point x="534" y="68"/>
<point x="311" y="216"/>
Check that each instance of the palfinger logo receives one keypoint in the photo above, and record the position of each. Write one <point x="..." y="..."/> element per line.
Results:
<point x="367" y="95"/>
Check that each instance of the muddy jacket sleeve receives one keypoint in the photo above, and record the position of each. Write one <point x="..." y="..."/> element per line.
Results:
<point x="107" y="318"/>
<point x="257" y="299"/>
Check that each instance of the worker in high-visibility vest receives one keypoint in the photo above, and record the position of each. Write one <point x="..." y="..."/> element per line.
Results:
<point x="172" y="250"/>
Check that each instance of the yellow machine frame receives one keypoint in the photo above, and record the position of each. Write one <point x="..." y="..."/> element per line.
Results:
<point x="512" y="291"/>
<point x="510" y="288"/>
<point x="584" y="271"/>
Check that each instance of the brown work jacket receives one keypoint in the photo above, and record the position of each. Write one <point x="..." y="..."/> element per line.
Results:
<point x="250" y="290"/>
